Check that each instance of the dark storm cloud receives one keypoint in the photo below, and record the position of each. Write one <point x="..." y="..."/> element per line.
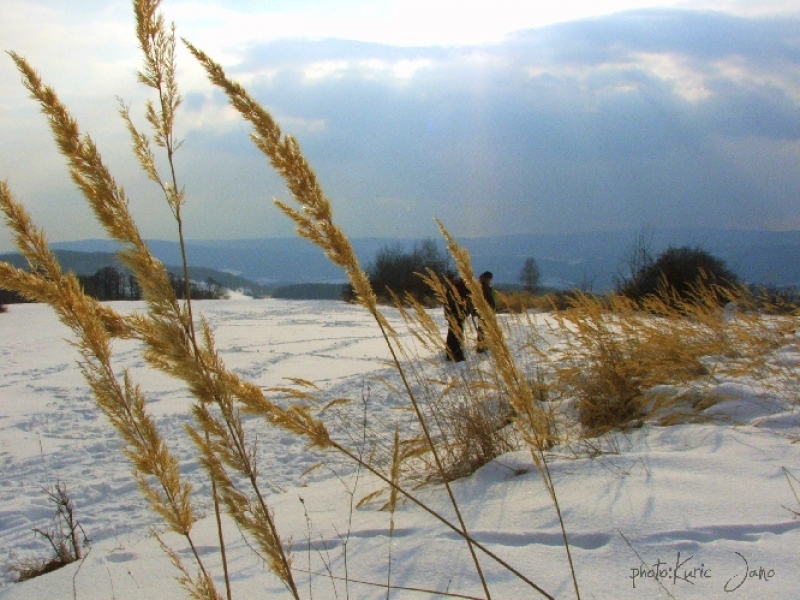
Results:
<point x="751" y="111"/>
<point x="603" y="123"/>
<point x="702" y="35"/>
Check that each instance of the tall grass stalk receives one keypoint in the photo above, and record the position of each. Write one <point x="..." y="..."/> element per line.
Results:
<point x="155" y="468"/>
<point x="615" y="350"/>
<point x="315" y="222"/>
<point x="531" y="418"/>
<point x="158" y="47"/>
<point x="174" y="343"/>
<point x="166" y="331"/>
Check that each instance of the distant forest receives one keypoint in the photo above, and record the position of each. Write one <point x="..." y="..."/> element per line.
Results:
<point x="110" y="283"/>
<point x="309" y="291"/>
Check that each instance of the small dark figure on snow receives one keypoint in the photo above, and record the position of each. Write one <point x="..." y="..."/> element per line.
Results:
<point x="456" y="309"/>
<point x="488" y="293"/>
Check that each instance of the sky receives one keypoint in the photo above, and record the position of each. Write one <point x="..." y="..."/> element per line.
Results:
<point x="494" y="117"/>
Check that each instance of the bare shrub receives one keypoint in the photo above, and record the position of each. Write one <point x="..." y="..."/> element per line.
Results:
<point x="65" y="536"/>
<point x="617" y="349"/>
<point x="476" y="432"/>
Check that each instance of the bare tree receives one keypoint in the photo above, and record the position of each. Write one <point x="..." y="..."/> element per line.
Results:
<point x="636" y="259"/>
<point x="529" y="275"/>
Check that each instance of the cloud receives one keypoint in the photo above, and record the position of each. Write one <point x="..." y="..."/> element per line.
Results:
<point x="661" y="117"/>
<point x="607" y="122"/>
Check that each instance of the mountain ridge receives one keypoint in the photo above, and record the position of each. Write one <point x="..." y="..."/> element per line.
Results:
<point x="589" y="259"/>
<point x="88" y="263"/>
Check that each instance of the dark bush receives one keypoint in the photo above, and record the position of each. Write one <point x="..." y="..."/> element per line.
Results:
<point x="678" y="272"/>
<point x="108" y="283"/>
<point x="398" y="270"/>
<point x="10" y="297"/>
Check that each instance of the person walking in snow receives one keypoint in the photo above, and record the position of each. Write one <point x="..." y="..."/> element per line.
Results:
<point x="456" y="309"/>
<point x="488" y="293"/>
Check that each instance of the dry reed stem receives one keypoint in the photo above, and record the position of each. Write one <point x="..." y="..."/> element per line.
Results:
<point x="168" y="330"/>
<point x="616" y="349"/>
<point x="204" y="372"/>
<point x="158" y="48"/>
<point x="315" y="222"/>
<point x="532" y="419"/>
<point x="122" y="403"/>
<point x="199" y="587"/>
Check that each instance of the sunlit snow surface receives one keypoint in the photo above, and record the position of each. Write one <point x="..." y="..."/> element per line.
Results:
<point x="689" y="511"/>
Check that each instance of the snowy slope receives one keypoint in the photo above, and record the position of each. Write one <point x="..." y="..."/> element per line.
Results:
<point x="688" y="511"/>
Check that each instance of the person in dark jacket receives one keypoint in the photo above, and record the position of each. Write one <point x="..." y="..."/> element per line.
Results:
<point x="456" y="309"/>
<point x="488" y="293"/>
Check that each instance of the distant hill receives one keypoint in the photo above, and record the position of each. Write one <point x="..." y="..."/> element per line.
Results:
<point x="88" y="263"/>
<point x="588" y="260"/>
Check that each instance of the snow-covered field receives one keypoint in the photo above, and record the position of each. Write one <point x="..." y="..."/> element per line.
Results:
<point x="688" y="511"/>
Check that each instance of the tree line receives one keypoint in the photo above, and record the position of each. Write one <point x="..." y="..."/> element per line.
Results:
<point x="395" y="270"/>
<point x="109" y="283"/>
<point x="675" y="272"/>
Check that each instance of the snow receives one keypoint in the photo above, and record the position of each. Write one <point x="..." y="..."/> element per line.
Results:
<point x="698" y="510"/>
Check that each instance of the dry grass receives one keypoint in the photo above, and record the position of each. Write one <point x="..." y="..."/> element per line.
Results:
<point x="517" y="301"/>
<point x="521" y="301"/>
<point x="183" y="348"/>
<point x="474" y="434"/>
<point x="64" y="536"/>
<point x="617" y="350"/>
<point x="612" y="352"/>
<point x="465" y="405"/>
